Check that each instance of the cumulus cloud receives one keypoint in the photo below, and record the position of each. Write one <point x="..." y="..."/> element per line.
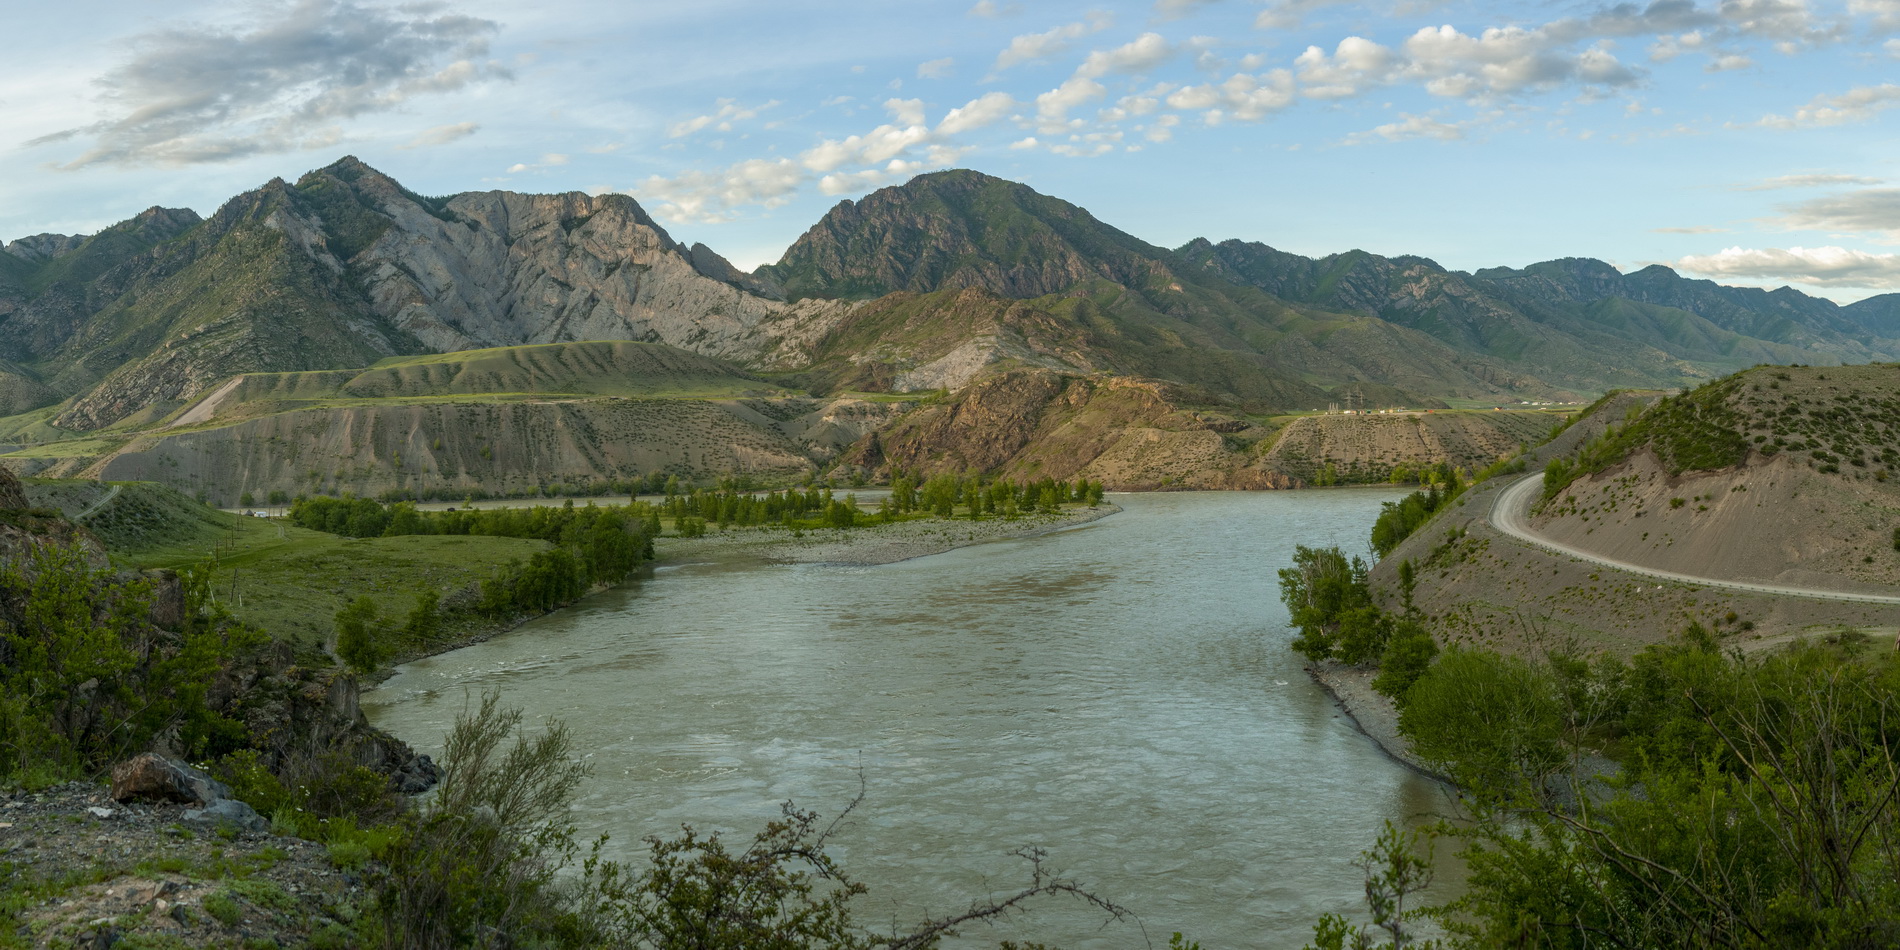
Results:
<point x="1811" y="180"/>
<point x="1504" y="60"/>
<point x="990" y="9"/>
<point x="1243" y="95"/>
<point x="1053" y="107"/>
<point x="1818" y="266"/>
<point x="720" y="119"/>
<point x="1868" y="209"/>
<point x="1410" y="127"/>
<point x="1030" y="47"/>
<point x="977" y="113"/>
<point x="1855" y="105"/>
<point x="1139" y="55"/>
<point x="839" y="183"/>
<point x="442" y="135"/>
<point x="1354" y="65"/>
<point x="1884" y="13"/>
<point x="712" y="196"/>
<point x="285" y="82"/>
<point x="936" y="68"/>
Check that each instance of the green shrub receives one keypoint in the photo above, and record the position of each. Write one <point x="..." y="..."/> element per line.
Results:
<point x="223" y="908"/>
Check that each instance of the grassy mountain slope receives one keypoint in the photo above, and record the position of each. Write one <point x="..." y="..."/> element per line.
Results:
<point x="1142" y="313"/>
<point x="1580" y="323"/>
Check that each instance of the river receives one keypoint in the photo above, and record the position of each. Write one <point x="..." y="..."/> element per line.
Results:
<point x="1119" y="693"/>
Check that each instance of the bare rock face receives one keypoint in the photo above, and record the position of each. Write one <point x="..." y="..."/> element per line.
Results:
<point x="12" y="495"/>
<point x="43" y="247"/>
<point x="153" y="778"/>
<point x="500" y="269"/>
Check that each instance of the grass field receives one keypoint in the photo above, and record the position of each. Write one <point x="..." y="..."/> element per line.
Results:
<point x="291" y="581"/>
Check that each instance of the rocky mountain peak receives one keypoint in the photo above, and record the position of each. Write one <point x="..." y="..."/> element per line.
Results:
<point x="954" y="229"/>
<point x="42" y="247"/>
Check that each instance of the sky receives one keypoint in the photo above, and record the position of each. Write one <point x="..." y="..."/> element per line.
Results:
<point x="1746" y="141"/>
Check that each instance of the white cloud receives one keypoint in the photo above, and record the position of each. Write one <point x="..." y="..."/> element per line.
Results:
<point x="839" y="183"/>
<point x="1410" y="127"/>
<point x="990" y="9"/>
<point x="721" y="119"/>
<point x="285" y="82"/>
<point x="936" y="68"/>
<point x="1162" y="129"/>
<point x="1246" y="96"/>
<point x="1141" y="54"/>
<point x="1355" y="65"/>
<point x="1818" y="266"/>
<point x="1855" y="105"/>
<point x="906" y="112"/>
<point x="713" y="196"/>
<point x="1505" y="60"/>
<point x="1052" y="107"/>
<point x="442" y="135"/>
<point x="1810" y="180"/>
<point x="977" y="113"/>
<point x="1865" y="210"/>
<point x="1030" y="47"/>
<point x="1884" y="13"/>
<point x="1024" y="143"/>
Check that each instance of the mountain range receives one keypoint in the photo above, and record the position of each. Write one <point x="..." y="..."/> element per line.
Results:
<point x="951" y="280"/>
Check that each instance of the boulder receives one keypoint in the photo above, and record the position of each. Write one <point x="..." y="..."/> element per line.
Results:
<point x="154" y="778"/>
<point x="229" y="812"/>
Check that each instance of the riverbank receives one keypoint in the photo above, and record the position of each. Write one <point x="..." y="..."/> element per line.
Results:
<point x="870" y="545"/>
<point x="1372" y="711"/>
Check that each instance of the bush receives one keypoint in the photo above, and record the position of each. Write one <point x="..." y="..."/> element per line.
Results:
<point x="1493" y="722"/>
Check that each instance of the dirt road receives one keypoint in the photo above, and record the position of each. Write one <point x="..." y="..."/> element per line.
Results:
<point x="1513" y="503"/>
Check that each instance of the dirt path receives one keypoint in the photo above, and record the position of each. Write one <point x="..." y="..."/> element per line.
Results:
<point x="203" y="411"/>
<point x="1513" y="503"/>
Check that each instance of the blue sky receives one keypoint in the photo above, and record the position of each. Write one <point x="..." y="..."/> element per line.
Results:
<point x="1750" y="141"/>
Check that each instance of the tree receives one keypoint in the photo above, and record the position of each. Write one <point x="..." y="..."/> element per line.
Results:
<point x="1320" y="590"/>
<point x="424" y="619"/>
<point x="355" y="637"/>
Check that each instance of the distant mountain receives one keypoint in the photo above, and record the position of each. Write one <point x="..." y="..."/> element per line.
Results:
<point x="339" y="270"/>
<point x="939" y="283"/>
<point x="1580" y="322"/>
<point x="1140" y="310"/>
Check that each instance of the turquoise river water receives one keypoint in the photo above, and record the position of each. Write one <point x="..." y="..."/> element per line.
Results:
<point x="1119" y="693"/>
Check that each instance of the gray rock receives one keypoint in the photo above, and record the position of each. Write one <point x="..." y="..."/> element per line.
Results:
<point x="229" y="811"/>
<point x="151" y="777"/>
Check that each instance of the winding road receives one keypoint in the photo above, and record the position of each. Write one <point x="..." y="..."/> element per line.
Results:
<point x="1513" y="503"/>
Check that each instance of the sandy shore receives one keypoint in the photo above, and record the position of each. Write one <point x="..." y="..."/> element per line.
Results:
<point x="1371" y="711"/>
<point x="879" y="544"/>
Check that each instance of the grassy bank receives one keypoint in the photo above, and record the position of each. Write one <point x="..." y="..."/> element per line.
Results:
<point x="291" y="581"/>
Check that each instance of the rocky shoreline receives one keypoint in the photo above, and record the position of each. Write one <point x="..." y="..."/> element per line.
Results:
<point x="1373" y="712"/>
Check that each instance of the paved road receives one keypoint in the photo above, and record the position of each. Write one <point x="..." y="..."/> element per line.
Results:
<point x="1511" y="505"/>
<point x="101" y="503"/>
